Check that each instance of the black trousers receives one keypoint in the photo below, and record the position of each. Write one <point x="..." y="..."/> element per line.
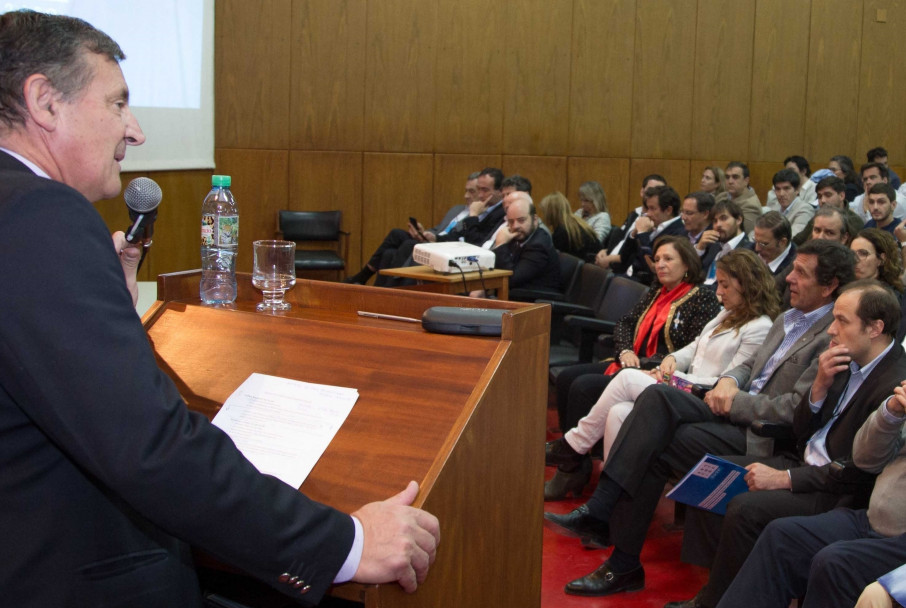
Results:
<point x="722" y="543"/>
<point x="828" y="558"/>
<point x="666" y="434"/>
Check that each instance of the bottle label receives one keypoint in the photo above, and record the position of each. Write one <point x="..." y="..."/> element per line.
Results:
<point x="228" y="230"/>
<point x="207" y="230"/>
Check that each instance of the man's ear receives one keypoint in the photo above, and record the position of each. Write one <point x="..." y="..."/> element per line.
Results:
<point x="42" y="101"/>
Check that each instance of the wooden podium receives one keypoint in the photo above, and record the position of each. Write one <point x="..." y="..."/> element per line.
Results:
<point x="464" y="416"/>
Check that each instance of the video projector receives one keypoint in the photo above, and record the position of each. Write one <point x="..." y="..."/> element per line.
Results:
<point x="442" y="256"/>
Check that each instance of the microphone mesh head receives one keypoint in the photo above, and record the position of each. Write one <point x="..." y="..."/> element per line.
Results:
<point x="143" y="195"/>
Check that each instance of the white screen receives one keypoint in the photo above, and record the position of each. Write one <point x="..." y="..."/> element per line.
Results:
<point x="169" y="67"/>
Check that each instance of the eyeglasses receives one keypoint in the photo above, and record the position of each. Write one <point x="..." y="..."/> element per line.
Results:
<point x="765" y="244"/>
<point x="863" y="254"/>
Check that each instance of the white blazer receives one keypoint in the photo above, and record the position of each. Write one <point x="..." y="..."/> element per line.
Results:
<point x="703" y="360"/>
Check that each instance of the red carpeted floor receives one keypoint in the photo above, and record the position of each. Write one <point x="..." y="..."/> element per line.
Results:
<point x="564" y="559"/>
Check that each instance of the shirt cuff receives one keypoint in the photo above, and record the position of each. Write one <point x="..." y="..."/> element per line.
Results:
<point x="815" y="406"/>
<point x="355" y="555"/>
<point x="735" y="381"/>
<point x="887" y="416"/>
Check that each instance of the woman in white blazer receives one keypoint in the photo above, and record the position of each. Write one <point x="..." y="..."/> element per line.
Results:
<point x="749" y="295"/>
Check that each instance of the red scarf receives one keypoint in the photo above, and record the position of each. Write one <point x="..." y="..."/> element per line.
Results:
<point x="648" y="331"/>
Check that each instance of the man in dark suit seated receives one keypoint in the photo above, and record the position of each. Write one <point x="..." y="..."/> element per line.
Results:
<point x="107" y="477"/>
<point x="859" y="370"/>
<point x="773" y="245"/>
<point x="661" y="217"/>
<point x="726" y="236"/>
<point x="829" y="558"/>
<point x="669" y="430"/>
<point x="529" y="252"/>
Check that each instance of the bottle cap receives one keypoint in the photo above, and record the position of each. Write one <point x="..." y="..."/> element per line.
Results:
<point x="220" y="180"/>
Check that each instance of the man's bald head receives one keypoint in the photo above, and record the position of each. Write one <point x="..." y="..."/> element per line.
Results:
<point x="520" y="216"/>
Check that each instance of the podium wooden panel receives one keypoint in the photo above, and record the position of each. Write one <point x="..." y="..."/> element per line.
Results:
<point x="462" y="415"/>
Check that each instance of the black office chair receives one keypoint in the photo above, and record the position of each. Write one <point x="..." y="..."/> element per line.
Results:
<point x="621" y="295"/>
<point x="310" y="229"/>
<point x="583" y="299"/>
<point x="570" y="266"/>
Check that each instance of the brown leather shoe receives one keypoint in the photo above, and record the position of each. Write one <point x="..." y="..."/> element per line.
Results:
<point x="605" y="581"/>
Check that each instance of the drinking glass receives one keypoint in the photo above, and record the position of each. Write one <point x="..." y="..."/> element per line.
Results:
<point x="274" y="272"/>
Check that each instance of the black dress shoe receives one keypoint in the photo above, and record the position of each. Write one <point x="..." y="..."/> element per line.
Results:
<point x="605" y="581"/>
<point x="579" y="522"/>
<point x="559" y="452"/>
<point x="695" y="602"/>
<point x="566" y="482"/>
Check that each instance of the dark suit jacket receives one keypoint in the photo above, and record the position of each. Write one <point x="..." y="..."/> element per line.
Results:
<point x="105" y="476"/>
<point x="617" y="234"/>
<point x="714" y="248"/>
<point x="535" y="263"/>
<point x="635" y="249"/>
<point x="839" y="441"/>
<point x="477" y="231"/>
<point x="792" y="378"/>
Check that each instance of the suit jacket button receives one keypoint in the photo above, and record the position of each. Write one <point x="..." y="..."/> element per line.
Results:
<point x="305" y="589"/>
<point x="284" y="578"/>
<point x="298" y="583"/>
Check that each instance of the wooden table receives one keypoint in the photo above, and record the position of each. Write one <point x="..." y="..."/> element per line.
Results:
<point x="465" y="416"/>
<point x="439" y="282"/>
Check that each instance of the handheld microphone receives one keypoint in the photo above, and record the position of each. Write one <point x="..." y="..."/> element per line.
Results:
<point x="143" y="196"/>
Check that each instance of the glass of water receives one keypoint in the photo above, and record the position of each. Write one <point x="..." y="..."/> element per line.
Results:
<point x="274" y="272"/>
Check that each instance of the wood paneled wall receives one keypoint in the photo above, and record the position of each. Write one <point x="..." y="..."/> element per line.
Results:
<point x="382" y="107"/>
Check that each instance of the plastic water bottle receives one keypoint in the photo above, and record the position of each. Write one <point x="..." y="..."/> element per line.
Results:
<point x="219" y="243"/>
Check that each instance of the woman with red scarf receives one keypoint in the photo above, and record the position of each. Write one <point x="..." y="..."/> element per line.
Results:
<point x="670" y="316"/>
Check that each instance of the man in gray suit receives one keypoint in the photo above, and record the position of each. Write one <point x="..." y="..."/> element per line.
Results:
<point x="669" y="430"/>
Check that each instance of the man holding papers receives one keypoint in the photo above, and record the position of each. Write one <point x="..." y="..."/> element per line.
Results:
<point x="859" y="370"/>
<point x="107" y="478"/>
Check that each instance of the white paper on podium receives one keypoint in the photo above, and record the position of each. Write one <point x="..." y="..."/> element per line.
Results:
<point x="283" y="426"/>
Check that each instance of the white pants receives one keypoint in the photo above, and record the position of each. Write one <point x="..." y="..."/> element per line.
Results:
<point x="607" y="415"/>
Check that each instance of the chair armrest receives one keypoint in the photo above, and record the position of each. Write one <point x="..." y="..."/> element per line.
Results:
<point x="590" y="324"/>
<point x="567" y="308"/>
<point x="773" y="430"/>
<point x="534" y="295"/>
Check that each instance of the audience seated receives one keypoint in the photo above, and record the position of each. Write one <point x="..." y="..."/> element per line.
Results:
<point x="529" y="251"/>
<point x="661" y="218"/>
<point x="829" y="558"/>
<point x="742" y="194"/>
<point x="773" y="245"/>
<point x="594" y="209"/>
<point x="714" y="182"/>
<point x="878" y="257"/>
<point x="570" y="234"/>
<point x="876" y="173"/>
<point x="695" y="212"/>
<point x="726" y="236"/>
<point x="398" y="243"/>
<point x="616" y="236"/>
<point x="670" y="316"/>
<point x="831" y="193"/>
<point x="843" y="167"/>
<point x="788" y="202"/>
<point x="746" y="290"/>
<point x="861" y="367"/>
<point x="669" y="430"/>
<point x="513" y="183"/>
<point x="807" y="190"/>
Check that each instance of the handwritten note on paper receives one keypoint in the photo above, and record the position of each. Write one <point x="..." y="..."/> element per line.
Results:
<point x="283" y="426"/>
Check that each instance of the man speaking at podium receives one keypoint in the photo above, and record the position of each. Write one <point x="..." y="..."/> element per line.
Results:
<point x="106" y="478"/>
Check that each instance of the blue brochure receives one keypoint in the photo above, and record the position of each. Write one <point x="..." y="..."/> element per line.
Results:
<point x="710" y="484"/>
